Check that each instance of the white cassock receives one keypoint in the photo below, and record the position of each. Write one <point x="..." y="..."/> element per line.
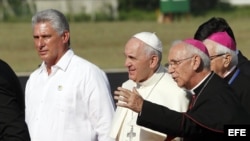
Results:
<point x="159" y="88"/>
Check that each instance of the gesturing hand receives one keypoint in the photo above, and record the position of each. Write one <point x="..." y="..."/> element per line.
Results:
<point x="129" y="99"/>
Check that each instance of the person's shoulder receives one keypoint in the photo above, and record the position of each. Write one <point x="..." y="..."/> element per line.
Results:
<point x="84" y="63"/>
<point x="86" y="67"/>
<point x="245" y="67"/>
<point x="2" y="62"/>
<point x="217" y="84"/>
<point x="5" y="69"/>
<point x="243" y="63"/>
<point x="35" y="72"/>
<point x="242" y="75"/>
<point x="129" y="84"/>
<point x="4" y="65"/>
<point x="242" y="80"/>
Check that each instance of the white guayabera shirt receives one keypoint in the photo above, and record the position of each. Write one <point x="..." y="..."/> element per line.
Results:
<point x="73" y="103"/>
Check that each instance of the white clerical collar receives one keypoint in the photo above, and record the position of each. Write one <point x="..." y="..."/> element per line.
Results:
<point x="155" y="77"/>
<point x="192" y="90"/>
<point x="225" y="75"/>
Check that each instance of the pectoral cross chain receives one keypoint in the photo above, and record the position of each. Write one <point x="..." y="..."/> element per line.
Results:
<point x="131" y="134"/>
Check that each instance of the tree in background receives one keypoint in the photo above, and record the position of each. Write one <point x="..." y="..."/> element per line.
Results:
<point x="15" y="9"/>
<point x="199" y="7"/>
<point x="196" y="6"/>
<point x="147" y="5"/>
<point x="129" y="9"/>
<point x="135" y="8"/>
<point x="5" y="8"/>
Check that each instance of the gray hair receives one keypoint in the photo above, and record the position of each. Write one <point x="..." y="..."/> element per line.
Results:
<point x="220" y="49"/>
<point x="151" y="51"/>
<point x="57" y="20"/>
<point x="191" y="50"/>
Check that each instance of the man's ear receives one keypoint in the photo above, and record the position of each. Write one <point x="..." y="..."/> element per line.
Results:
<point x="65" y="36"/>
<point x="227" y="60"/>
<point x="196" y="62"/>
<point x="154" y="60"/>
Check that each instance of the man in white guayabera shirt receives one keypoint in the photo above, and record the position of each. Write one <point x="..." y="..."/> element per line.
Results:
<point x="67" y="97"/>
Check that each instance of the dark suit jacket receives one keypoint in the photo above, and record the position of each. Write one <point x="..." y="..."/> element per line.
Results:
<point x="241" y="87"/>
<point x="243" y="64"/>
<point x="12" y="120"/>
<point x="215" y="107"/>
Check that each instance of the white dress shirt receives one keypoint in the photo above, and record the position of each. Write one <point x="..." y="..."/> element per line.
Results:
<point x="73" y="103"/>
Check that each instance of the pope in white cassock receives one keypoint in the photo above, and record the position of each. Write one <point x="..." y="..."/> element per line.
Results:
<point x="143" y="54"/>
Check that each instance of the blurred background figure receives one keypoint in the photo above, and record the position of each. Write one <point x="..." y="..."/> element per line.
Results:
<point x="224" y="60"/>
<point x="12" y="118"/>
<point x="217" y="24"/>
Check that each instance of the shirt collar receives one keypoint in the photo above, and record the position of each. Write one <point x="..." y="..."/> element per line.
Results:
<point x="155" y="77"/>
<point x="196" y="88"/>
<point x="231" y="70"/>
<point x="62" y="63"/>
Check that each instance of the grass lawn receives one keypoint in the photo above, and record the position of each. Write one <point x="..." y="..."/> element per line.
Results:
<point x="102" y="43"/>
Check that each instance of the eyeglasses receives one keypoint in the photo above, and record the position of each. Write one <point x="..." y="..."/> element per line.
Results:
<point x="174" y="63"/>
<point x="215" y="56"/>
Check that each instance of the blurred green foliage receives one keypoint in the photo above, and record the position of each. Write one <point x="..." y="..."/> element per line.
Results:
<point x="136" y="10"/>
<point x="102" y="42"/>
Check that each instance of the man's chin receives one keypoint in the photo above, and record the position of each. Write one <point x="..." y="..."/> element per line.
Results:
<point x="131" y="77"/>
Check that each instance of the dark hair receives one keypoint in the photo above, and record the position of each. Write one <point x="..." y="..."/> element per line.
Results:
<point x="213" y="25"/>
